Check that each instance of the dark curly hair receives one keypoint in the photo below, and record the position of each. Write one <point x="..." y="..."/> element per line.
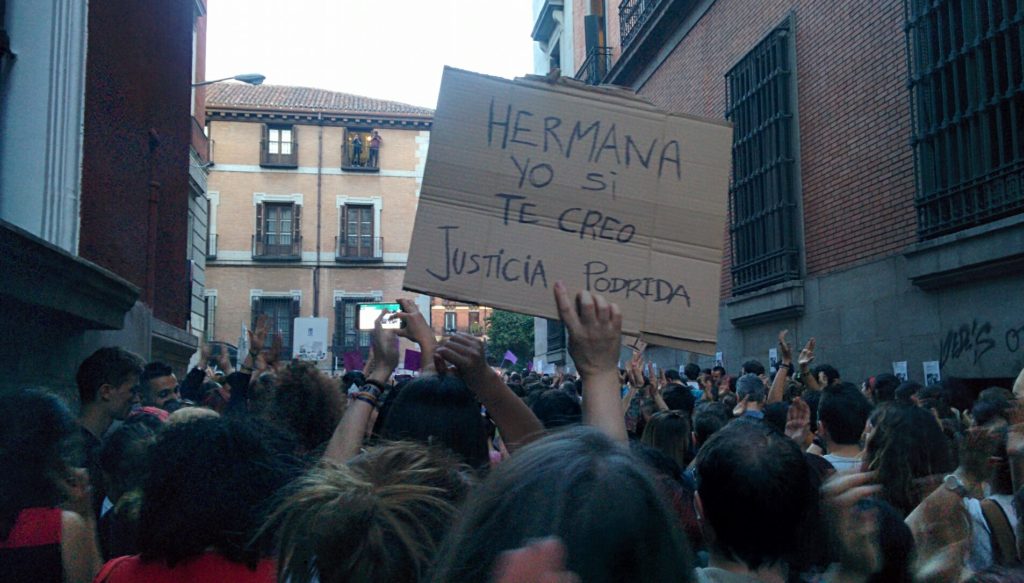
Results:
<point x="308" y="403"/>
<point x="34" y="437"/>
<point x="210" y="483"/>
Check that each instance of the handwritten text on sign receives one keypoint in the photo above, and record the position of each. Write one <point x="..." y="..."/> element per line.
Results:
<point x="525" y="185"/>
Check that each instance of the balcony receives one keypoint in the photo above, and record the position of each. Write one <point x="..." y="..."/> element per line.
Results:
<point x="547" y="21"/>
<point x="595" y="66"/>
<point x="201" y="143"/>
<point x="211" y="245"/>
<point x="351" y="162"/>
<point x="279" y="160"/>
<point x="277" y="248"/>
<point x="359" y="249"/>
<point x="633" y="15"/>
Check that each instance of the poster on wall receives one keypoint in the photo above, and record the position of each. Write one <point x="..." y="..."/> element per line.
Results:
<point x="899" y="369"/>
<point x="931" y="372"/>
<point x="310" y="339"/>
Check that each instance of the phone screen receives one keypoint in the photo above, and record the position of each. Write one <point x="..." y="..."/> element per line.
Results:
<point x="368" y="314"/>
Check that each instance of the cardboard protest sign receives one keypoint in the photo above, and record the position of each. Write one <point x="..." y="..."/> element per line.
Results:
<point x="528" y="182"/>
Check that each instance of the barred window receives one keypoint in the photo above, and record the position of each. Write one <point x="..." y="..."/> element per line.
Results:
<point x="967" y="88"/>
<point x="763" y="193"/>
<point x="347" y="335"/>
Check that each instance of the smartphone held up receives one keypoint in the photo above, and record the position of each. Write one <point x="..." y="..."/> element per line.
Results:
<point x="368" y="314"/>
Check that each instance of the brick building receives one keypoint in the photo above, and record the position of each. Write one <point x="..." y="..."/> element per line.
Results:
<point x="307" y="217"/>
<point x="876" y="200"/>
<point x="94" y="182"/>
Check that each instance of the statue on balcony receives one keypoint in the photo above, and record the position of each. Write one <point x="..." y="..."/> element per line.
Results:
<point x="357" y="150"/>
<point x="375" y="142"/>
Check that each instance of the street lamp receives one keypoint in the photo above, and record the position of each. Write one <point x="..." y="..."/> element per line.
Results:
<point x="250" y="78"/>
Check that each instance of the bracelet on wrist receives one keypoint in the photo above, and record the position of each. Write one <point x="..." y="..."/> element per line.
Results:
<point x="375" y="386"/>
<point x="367" y="398"/>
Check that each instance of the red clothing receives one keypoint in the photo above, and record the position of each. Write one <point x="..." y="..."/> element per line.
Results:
<point x="207" y="568"/>
<point x="31" y="551"/>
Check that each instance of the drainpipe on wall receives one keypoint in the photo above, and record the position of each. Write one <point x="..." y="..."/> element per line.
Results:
<point x="319" y="201"/>
<point x="154" y="200"/>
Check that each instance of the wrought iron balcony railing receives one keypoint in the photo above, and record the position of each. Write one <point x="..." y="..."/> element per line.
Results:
<point x="277" y="248"/>
<point x="211" y="245"/>
<point x="595" y="66"/>
<point x="633" y="14"/>
<point x="360" y="160"/>
<point x="358" y="248"/>
<point x="201" y="143"/>
<point x="286" y="156"/>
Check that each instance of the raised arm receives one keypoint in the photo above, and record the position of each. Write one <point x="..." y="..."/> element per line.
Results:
<point x="348" y="435"/>
<point x="595" y="334"/>
<point x="805" y="359"/>
<point x="782" y="375"/>
<point x="417" y="330"/>
<point x="516" y="421"/>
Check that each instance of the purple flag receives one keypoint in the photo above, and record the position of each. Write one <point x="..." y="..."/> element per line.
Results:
<point x="511" y="357"/>
<point x="412" y="359"/>
<point x="529" y="366"/>
<point x="353" y="360"/>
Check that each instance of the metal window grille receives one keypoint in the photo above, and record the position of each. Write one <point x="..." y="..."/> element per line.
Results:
<point x="966" y="62"/>
<point x="347" y="335"/>
<point x="211" y="318"/>
<point x="763" y="193"/>
<point x="281" y="313"/>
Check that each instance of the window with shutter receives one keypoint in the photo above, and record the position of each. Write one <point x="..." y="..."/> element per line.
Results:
<point x="360" y="150"/>
<point x="278" y="235"/>
<point x="356" y="240"/>
<point x="279" y="147"/>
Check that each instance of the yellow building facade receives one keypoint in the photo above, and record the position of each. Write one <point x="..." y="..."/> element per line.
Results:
<point x="312" y="198"/>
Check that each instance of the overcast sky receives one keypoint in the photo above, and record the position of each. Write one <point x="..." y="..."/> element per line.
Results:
<point x="388" y="49"/>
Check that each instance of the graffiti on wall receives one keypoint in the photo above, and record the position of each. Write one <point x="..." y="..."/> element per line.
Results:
<point x="971" y="342"/>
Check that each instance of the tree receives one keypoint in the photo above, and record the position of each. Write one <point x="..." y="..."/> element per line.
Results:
<point x="509" y="331"/>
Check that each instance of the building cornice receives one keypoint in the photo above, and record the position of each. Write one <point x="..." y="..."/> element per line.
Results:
<point x="410" y="122"/>
<point x="40" y="274"/>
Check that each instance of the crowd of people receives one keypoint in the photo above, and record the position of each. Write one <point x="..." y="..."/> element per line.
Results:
<point x="277" y="472"/>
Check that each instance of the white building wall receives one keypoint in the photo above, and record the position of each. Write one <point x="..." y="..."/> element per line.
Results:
<point x="42" y="104"/>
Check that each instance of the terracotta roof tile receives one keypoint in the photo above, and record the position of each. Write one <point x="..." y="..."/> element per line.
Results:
<point x="282" y="97"/>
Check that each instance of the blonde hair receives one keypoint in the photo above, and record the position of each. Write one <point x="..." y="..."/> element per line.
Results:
<point x="380" y="518"/>
<point x="186" y="414"/>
